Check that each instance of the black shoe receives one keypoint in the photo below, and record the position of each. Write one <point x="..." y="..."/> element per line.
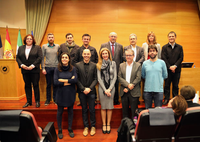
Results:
<point x="108" y="132"/>
<point x="47" y="102"/>
<point x="26" y="105"/>
<point x="37" y="104"/>
<point x="116" y="103"/>
<point x="60" y="135"/>
<point x="165" y="101"/>
<point x="71" y="133"/>
<point x="104" y="131"/>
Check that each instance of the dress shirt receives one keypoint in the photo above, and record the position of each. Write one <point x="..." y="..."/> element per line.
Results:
<point x="86" y="68"/>
<point x="50" y="45"/>
<point x="172" y="45"/>
<point x="128" y="72"/>
<point x="135" y="52"/>
<point x="111" y="47"/>
<point x="27" y="51"/>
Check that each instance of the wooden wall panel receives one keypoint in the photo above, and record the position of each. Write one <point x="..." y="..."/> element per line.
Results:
<point x="99" y="18"/>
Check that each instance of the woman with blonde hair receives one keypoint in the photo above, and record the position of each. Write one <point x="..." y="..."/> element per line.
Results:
<point x="151" y="40"/>
<point x="107" y="75"/>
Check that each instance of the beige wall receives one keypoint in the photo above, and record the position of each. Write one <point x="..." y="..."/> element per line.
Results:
<point x="12" y="14"/>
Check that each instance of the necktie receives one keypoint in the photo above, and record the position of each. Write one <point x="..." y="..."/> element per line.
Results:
<point x="113" y="50"/>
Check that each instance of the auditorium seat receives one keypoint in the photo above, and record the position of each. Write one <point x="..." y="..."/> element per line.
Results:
<point x="21" y="126"/>
<point x="189" y="127"/>
<point x="157" y="133"/>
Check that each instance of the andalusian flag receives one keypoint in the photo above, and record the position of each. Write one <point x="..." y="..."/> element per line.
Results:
<point x="8" y="53"/>
<point x="19" y="41"/>
<point x="1" y="49"/>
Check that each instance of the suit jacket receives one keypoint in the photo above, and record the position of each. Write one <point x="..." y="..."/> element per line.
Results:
<point x="172" y="56"/>
<point x="191" y="104"/>
<point x="88" y="81"/>
<point x="118" y="54"/>
<point x="35" y="58"/>
<point x="135" y="79"/>
<point x="64" y="48"/>
<point x="139" y="55"/>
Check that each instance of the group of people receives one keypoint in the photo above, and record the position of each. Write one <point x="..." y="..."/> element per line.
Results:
<point x="68" y="64"/>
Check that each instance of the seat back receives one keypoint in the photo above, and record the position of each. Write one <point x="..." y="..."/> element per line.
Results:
<point x="27" y="131"/>
<point x="146" y="133"/>
<point x="188" y="129"/>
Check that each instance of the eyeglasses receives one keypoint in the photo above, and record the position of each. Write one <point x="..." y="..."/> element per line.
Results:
<point x="29" y="39"/>
<point x="129" y="55"/>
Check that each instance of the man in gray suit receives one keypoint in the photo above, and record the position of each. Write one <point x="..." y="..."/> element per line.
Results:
<point x="139" y="51"/>
<point x="129" y="76"/>
<point x="116" y="51"/>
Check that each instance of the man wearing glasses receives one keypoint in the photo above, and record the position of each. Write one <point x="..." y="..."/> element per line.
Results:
<point x="129" y="76"/>
<point x="139" y="51"/>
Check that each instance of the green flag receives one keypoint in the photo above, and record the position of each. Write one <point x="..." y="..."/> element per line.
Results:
<point x="19" y="41"/>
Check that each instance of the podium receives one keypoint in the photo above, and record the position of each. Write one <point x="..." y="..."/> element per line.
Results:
<point x="11" y="80"/>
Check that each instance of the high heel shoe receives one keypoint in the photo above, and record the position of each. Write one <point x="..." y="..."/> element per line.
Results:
<point x="108" y="131"/>
<point x="104" y="131"/>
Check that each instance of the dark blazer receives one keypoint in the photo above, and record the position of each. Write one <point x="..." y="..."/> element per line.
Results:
<point x="79" y="57"/>
<point x="64" y="48"/>
<point x="191" y="104"/>
<point x="35" y="58"/>
<point x="135" y="79"/>
<point x="118" y="54"/>
<point x="172" y="56"/>
<point x="86" y="81"/>
<point x="139" y="55"/>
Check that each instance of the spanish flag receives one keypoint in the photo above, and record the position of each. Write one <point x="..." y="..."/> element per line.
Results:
<point x="8" y="53"/>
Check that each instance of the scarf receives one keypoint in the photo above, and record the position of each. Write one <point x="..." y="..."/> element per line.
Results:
<point x="70" y="47"/>
<point x="105" y="72"/>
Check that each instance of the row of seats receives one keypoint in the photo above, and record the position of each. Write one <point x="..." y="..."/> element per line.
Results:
<point x="161" y="125"/>
<point x="186" y="130"/>
<point x="21" y="126"/>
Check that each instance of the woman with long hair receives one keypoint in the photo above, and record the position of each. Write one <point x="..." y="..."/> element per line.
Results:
<point x="107" y="75"/>
<point x="151" y="40"/>
<point x="65" y="78"/>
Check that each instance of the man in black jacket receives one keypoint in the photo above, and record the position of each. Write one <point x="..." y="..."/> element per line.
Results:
<point x="172" y="54"/>
<point x="69" y="46"/>
<point x="87" y="79"/>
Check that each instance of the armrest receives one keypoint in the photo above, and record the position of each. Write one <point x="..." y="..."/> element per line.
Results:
<point x="49" y="132"/>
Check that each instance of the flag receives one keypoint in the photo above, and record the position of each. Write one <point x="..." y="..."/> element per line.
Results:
<point x="32" y="33"/>
<point x="19" y="41"/>
<point x="8" y="53"/>
<point x="1" y="49"/>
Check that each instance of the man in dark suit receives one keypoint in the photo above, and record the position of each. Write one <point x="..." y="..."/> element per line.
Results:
<point x="69" y="46"/>
<point x="139" y="51"/>
<point x="129" y="76"/>
<point x="188" y="92"/>
<point x="116" y="50"/>
<point x="172" y="54"/>
<point x="87" y="79"/>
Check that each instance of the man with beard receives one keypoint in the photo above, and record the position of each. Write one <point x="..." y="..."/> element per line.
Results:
<point x="69" y="46"/>
<point x="49" y="52"/>
<point x="154" y="71"/>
